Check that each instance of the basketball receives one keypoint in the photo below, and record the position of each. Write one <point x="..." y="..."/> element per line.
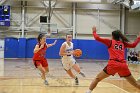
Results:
<point x="77" y="52"/>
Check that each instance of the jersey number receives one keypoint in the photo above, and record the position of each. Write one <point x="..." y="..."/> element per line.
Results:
<point x="118" y="47"/>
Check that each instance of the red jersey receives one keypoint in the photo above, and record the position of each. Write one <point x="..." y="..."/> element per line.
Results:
<point x="116" y="49"/>
<point x="40" y="55"/>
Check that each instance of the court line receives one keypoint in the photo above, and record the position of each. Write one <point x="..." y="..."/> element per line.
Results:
<point x="71" y="86"/>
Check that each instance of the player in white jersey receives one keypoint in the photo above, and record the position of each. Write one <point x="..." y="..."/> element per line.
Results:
<point x="68" y="61"/>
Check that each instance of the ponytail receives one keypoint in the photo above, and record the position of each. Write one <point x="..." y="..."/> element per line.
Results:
<point x="124" y="39"/>
<point x="117" y="35"/>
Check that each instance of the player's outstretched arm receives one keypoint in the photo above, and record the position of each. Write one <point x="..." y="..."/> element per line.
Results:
<point x="49" y="45"/>
<point x="133" y="44"/>
<point x="105" y="41"/>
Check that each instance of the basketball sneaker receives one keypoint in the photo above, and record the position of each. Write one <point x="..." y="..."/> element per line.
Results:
<point x="89" y="91"/>
<point x="76" y="81"/>
<point x="82" y="74"/>
<point x="46" y="82"/>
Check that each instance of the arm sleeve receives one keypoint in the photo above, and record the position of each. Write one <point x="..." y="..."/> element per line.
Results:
<point x="107" y="42"/>
<point x="132" y="45"/>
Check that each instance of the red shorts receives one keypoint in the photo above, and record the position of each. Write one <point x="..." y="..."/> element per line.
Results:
<point x="114" y="67"/>
<point x="43" y="62"/>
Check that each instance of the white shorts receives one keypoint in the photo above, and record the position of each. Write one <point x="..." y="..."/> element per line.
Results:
<point x="68" y="63"/>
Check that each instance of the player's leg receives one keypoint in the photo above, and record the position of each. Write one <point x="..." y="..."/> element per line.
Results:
<point x="102" y="75"/>
<point x="125" y="72"/>
<point x="67" y="65"/>
<point x="38" y="65"/>
<point x="46" y="68"/>
<point x="42" y="70"/>
<point x="69" y="72"/>
<point x="132" y="81"/>
<point x="45" y="65"/>
<point x="77" y="69"/>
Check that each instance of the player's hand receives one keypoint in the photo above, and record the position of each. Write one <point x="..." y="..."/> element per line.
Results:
<point x="42" y="46"/>
<point x="54" y="42"/>
<point x="71" y="53"/>
<point x="94" y="29"/>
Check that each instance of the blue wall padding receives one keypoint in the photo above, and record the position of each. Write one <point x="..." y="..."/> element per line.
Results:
<point x="11" y="48"/>
<point x="30" y="45"/>
<point x="23" y="48"/>
<point x="92" y="49"/>
<point x="53" y="52"/>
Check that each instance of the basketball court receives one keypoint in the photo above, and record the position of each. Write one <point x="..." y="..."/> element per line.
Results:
<point x="20" y="76"/>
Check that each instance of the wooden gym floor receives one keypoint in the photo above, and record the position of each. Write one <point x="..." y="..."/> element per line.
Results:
<point x="20" y="76"/>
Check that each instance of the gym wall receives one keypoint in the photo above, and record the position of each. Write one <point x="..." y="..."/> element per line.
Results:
<point x="23" y="48"/>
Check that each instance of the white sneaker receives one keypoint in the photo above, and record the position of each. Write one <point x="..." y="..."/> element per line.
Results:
<point x="88" y="91"/>
<point x="46" y="82"/>
<point x="82" y="74"/>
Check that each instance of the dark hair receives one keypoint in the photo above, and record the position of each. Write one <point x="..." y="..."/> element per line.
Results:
<point x="40" y="36"/>
<point x="68" y="34"/>
<point x="117" y="35"/>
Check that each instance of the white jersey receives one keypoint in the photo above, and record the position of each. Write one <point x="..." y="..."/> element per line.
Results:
<point x="68" y="49"/>
<point x="68" y="60"/>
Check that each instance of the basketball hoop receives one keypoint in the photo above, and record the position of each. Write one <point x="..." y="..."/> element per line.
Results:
<point x="48" y="28"/>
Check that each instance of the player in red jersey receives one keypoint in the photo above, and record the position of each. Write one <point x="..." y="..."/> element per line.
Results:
<point x="117" y="62"/>
<point x="39" y="59"/>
